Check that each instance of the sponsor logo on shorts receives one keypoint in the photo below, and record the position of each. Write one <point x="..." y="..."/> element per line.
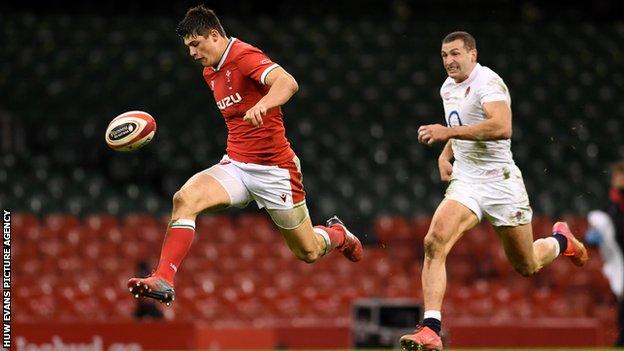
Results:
<point x="519" y="216"/>
<point x="283" y="197"/>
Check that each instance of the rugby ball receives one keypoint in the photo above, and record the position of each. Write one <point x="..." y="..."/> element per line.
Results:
<point x="130" y="131"/>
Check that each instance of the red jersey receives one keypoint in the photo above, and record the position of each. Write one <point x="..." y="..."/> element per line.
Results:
<point x="238" y="83"/>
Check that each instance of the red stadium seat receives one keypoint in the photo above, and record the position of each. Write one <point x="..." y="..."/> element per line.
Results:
<point x="22" y="222"/>
<point x="420" y="227"/>
<point x="240" y="272"/>
<point x="391" y="228"/>
<point x="100" y="223"/>
<point x="59" y="223"/>
<point x="542" y="226"/>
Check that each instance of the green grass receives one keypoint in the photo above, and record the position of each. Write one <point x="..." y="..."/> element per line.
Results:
<point x="535" y="349"/>
<point x="513" y="349"/>
<point x="483" y="349"/>
<point x="543" y="349"/>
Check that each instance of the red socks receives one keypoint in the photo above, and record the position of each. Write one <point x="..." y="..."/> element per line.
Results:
<point x="177" y="242"/>
<point x="334" y="236"/>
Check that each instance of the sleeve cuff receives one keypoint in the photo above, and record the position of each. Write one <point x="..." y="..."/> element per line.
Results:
<point x="494" y="97"/>
<point x="266" y="72"/>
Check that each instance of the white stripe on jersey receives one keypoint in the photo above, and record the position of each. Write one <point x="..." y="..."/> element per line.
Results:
<point x="266" y="72"/>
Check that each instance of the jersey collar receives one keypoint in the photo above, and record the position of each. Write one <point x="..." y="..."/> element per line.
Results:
<point x="472" y="75"/>
<point x="225" y="54"/>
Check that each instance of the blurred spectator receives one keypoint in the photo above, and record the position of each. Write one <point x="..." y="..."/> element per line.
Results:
<point x="606" y="230"/>
<point x="145" y="308"/>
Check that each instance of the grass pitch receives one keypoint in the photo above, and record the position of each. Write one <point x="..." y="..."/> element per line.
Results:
<point x="514" y="349"/>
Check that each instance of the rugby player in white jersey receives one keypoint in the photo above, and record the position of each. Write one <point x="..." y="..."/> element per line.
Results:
<point x="483" y="182"/>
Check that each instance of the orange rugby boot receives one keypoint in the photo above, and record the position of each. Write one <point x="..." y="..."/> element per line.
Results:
<point x="576" y="251"/>
<point x="352" y="247"/>
<point x="423" y="339"/>
<point x="153" y="287"/>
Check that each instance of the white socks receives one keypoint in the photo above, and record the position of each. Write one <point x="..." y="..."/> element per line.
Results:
<point x="556" y="243"/>
<point x="433" y="314"/>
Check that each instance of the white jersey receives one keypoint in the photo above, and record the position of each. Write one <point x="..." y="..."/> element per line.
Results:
<point x="477" y="161"/>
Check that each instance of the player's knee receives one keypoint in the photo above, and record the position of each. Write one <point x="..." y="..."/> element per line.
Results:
<point x="307" y="256"/>
<point x="180" y="200"/>
<point x="434" y="244"/>
<point x="184" y="203"/>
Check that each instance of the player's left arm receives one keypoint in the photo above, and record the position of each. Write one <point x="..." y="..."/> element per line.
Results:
<point x="497" y="126"/>
<point x="282" y="87"/>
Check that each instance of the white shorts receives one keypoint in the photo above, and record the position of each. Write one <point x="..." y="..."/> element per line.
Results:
<point x="503" y="203"/>
<point x="274" y="187"/>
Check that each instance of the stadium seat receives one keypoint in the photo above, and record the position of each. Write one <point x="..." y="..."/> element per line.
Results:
<point x="87" y="215"/>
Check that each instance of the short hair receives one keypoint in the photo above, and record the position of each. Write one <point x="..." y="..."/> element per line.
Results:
<point x="199" y="20"/>
<point x="469" y="41"/>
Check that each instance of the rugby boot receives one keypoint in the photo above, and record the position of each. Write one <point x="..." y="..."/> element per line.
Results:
<point x="576" y="251"/>
<point x="423" y="339"/>
<point x="351" y="248"/>
<point x="153" y="287"/>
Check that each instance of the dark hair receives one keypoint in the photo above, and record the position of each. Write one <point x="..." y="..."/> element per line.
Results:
<point x="469" y="41"/>
<point x="199" y="20"/>
<point x="617" y="167"/>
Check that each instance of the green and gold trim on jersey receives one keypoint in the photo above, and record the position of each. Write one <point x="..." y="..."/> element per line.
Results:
<point x="183" y="223"/>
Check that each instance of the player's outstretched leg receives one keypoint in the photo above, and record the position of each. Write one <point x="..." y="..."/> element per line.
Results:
<point x="575" y="249"/>
<point x="351" y="247"/>
<point x="153" y="287"/>
<point x="159" y="285"/>
<point x="423" y="339"/>
<point x="201" y="192"/>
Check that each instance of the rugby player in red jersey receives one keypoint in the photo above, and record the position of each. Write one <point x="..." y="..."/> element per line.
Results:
<point x="260" y="165"/>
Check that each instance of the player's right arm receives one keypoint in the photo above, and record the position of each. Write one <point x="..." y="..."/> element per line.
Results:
<point x="496" y="126"/>
<point x="254" y="64"/>
<point x="283" y="87"/>
<point x="445" y="164"/>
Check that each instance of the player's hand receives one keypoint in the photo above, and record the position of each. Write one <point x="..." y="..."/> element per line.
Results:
<point x="254" y="115"/>
<point x="446" y="169"/>
<point x="432" y="133"/>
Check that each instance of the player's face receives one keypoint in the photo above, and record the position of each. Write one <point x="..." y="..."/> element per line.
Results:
<point x="617" y="180"/>
<point x="205" y="49"/>
<point x="457" y="60"/>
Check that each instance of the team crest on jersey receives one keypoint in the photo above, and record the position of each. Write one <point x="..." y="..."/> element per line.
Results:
<point x="212" y="84"/>
<point x="446" y="95"/>
<point x="467" y="92"/>
<point x="229" y="101"/>
<point x="228" y="78"/>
